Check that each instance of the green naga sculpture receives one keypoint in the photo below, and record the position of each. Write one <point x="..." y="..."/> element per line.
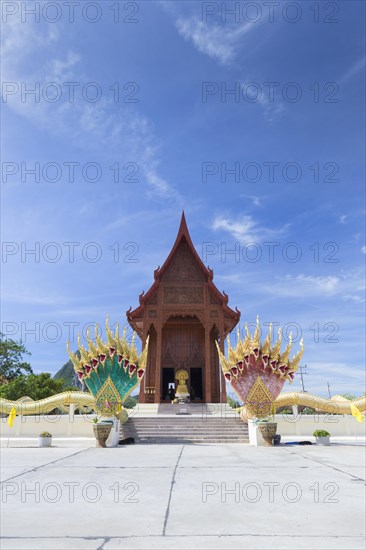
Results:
<point x="110" y="370"/>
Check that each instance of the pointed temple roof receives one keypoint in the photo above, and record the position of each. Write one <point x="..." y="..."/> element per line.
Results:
<point x="184" y="238"/>
<point x="183" y="234"/>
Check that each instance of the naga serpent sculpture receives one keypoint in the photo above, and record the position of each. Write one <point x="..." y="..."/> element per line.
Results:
<point x="110" y="370"/>
<point x="257" y="373"/>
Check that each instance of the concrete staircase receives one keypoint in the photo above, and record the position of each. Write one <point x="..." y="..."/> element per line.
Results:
<point x="166" y="428"/>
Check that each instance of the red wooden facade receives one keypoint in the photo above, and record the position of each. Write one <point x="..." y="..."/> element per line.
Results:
<point x="183" y="313"/>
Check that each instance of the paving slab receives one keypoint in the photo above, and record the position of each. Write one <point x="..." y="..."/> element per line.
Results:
<point x="45" y="543"/>
<point x="57" y="442"/>
<point x="15" y="461"/>
<point x="183" y="496"/>
<point x="243" y="542"/>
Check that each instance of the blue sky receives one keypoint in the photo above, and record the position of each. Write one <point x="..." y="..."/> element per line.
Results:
<point x="297" y="115"/>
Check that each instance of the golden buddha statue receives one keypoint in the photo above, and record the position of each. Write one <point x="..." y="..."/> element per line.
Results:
<point x="182" y="390"/>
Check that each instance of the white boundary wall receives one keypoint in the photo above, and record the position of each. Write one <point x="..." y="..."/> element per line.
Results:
<point x="57" y="425"/>
<point x="306" y="424"/>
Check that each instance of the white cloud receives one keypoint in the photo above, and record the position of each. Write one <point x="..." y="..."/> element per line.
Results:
<point x="63" y="70"/>
<point x="356" y="68"/>
<point x="33" y="297"/>
<point x="103" y="127"/>
<point x="20" y="39"/>
<point x="221" y="42"/>
<point x="246" y="229"/>
<point x="354" y="298"/>
<point x="349" y="286"/>
<point x="314" y="284"/>
<point x="342" y="377"/>
<point x="256" y="201"/>
<point x="272" y="109"/>
<point x="363" y="249"/>
<point x="218" y="42"/>
<point x="343" y="219"/>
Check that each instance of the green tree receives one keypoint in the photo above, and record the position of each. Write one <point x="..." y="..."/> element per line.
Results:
<point x="349" y="396"/>
<point x="130" y="402"/>
<point x="233" y="403"/>
<point x="12" y="364"/>
<point x="36" y="386"/>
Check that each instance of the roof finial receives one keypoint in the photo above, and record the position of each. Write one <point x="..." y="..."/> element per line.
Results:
<point x="183" y="223"/>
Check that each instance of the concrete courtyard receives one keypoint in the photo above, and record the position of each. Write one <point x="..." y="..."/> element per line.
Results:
<point x="183" y="496"/>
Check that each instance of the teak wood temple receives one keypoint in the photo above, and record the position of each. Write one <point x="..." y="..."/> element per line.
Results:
<point x="183" y="313"/>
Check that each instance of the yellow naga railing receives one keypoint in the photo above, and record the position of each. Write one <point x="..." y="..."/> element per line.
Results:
<point x="26" y="406"/>
<point x="336" y="405"/>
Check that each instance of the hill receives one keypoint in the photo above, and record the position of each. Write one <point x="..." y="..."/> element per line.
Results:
<point x="68" y="374"/>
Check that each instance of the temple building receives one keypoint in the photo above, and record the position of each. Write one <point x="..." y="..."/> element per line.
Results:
<point x="183" y="313"/>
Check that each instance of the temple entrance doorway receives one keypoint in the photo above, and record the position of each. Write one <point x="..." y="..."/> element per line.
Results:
<point x="196" y="384"/>
<point x="167" y="380"/>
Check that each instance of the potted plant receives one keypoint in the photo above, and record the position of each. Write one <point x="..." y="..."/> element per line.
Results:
<point x="322" y="437"/>
<point x="268" y="429"/>
<point x="44" y="439"/>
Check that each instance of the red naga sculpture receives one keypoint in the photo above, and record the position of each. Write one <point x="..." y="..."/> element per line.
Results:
<point x="258" y="372"/>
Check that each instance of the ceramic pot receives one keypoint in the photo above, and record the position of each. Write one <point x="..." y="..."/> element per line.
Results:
<point x="101" y="432"/>
<point x="323" y="440"/>
<point x="44" y="441"/>
<point x="268" y="431"/>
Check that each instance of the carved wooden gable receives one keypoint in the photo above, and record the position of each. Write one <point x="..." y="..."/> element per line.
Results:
<point x="183" y="267"/>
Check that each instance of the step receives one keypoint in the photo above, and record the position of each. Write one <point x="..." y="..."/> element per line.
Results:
<point x="184" y="436"/>
<point x="188" y="428"/>
<point x="182" y="439"/>
<point x="187" y="420"/>
<point x="166" y="409"/>
<point x="198" y="442"/>
<point x="182" y="430"/>
<point x="200" y="426"/>
<point x="187" y="436"/>
<point x="177" y="429"/>
<point x="192" y="425"/>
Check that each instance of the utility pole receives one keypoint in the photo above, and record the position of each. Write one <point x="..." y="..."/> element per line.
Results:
<point x="329" y="390"/>
<point x="302" y="372"/>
